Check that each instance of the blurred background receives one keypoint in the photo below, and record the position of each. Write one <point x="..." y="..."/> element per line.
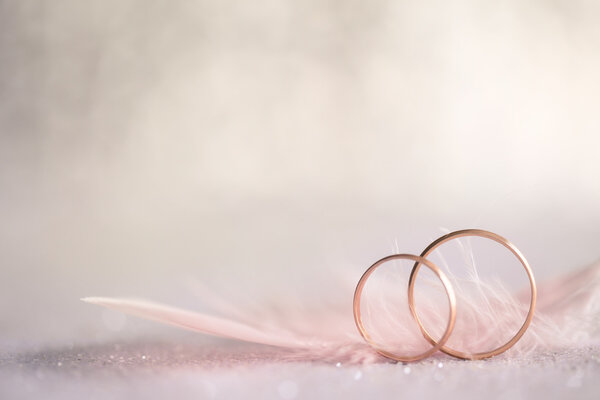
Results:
<point x="258" y="146"/>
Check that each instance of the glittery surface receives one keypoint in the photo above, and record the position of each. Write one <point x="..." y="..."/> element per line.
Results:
<point x="167" y="370"/>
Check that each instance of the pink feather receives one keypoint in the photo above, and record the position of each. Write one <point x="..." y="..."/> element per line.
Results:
<point x="568" y="314"/>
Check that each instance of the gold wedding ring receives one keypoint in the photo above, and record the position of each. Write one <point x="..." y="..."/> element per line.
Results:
<point x="449" y="292"/>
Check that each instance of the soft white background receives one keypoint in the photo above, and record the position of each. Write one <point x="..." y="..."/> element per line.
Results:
<point x="253" y="145"/>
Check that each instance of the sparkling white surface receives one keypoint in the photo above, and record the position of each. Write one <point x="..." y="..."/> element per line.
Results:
<point x="156" y="370"/>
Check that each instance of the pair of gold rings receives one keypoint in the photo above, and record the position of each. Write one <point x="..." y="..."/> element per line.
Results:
<point x="422" y="260"/>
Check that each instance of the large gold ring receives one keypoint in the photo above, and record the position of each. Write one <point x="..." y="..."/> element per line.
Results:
<point x="520" y="257"/>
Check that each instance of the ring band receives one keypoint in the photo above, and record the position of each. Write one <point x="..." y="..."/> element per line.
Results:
<point x="449" y="292"/>
<point x="509" y="246"/>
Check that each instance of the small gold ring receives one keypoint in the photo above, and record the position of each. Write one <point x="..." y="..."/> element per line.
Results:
<point x="449" y="292"/>
<point x="509" y="246"/>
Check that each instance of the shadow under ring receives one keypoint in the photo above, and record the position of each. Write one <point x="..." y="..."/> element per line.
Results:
<point x="520" y="257"/>
<point x="437" y="345"/>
